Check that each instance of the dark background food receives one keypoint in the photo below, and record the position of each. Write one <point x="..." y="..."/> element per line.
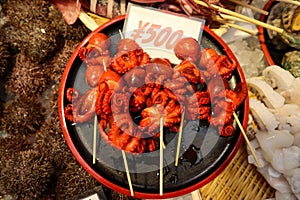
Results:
<point x="274" y="49"/>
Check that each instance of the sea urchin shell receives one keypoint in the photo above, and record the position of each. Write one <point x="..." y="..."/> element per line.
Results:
<point x="26" y="11"/>
<point x="56" y="67"/>
<point x="27" y="78"/>
<point x="22" y="116"/>
<point x="4" y="58"/>
<point x="49" y="139"/>
<point x="11" y="145"/>
<point x="27" y="175"/>
<point x="74" y="181"/>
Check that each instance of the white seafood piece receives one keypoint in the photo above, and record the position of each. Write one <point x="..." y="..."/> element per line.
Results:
<point x="292" y="95"/>
<point x="264" y="118"/>
<point x="254" y="143"/>
<point x="273" y="172"/>
<point x="289" y="117"/>
<point x="286" y="159"/>
<point x="272" y="140"/>
<point x="293" y="178"/>
<point x="297" y="139"/>
<point x="278" y="78"/>
<point x="284" y="196"/>
<point x="278" y="183"/>
<point x="265" y="93"/>
<point x="290" y="123"/>
<point x="289" y="109"/>
<point x="292" y="154"/>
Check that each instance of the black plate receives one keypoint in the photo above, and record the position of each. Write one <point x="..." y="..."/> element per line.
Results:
<point x="203" y="142"/>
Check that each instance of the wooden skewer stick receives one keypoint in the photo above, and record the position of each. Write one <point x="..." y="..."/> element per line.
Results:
<point x="95" y="139"/>
<point x="290" y="1"/>
<point x="95" y="127"/>
<point x="110" y="6"/>
<point x="246" y="139"/>
<point x="235" y="14"/>
<point x="179" y="139"/>
<point x="232" y="25"/>
<point x="127" y="173"/>
<point x="93" y="5"/>
<point x="232" y="18"/>
<point x="123" y="152"/>
<point x="121" y="34"/>
<point x="246" y="5"/>
<point x="161" y="157"/>
<point x="123" y="7"/>
<point x="104" y="66"/>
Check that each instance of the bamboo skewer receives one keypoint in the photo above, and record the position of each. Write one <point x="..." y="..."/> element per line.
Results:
<point x="127" y="173"/>
<point x="246" y="5"/>
<point x="290" y="1"/>
<point x="246" y="139"/>
<point x="95" y="139"/>
<point x="93" y="5"/>
<point x="232" y="25"/>
<point x="179" y="139"/>
<point x="95" y="127"/>
<point x="229" y="17"/>
<point x="235" y="14"/>
<point x="110" y="5"/>
<point x="161" y="157"/>
<point x="123" y="152"/>
<point x="123" y="7"/>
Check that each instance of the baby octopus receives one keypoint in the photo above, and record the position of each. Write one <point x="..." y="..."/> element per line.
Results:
<point x="134" y="91"/>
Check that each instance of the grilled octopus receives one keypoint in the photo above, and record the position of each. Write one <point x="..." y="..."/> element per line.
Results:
<point x="133" y="92"/>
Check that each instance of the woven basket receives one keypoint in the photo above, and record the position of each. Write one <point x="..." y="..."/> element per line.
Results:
<point x="239" y="180"/>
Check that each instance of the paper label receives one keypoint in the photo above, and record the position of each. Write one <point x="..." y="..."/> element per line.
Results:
<point x="92" y="197"/>
<point x="157" y="31"/>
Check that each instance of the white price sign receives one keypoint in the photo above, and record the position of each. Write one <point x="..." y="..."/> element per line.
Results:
<point x="154" y="29"/>
<point x="92" y="197"/>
